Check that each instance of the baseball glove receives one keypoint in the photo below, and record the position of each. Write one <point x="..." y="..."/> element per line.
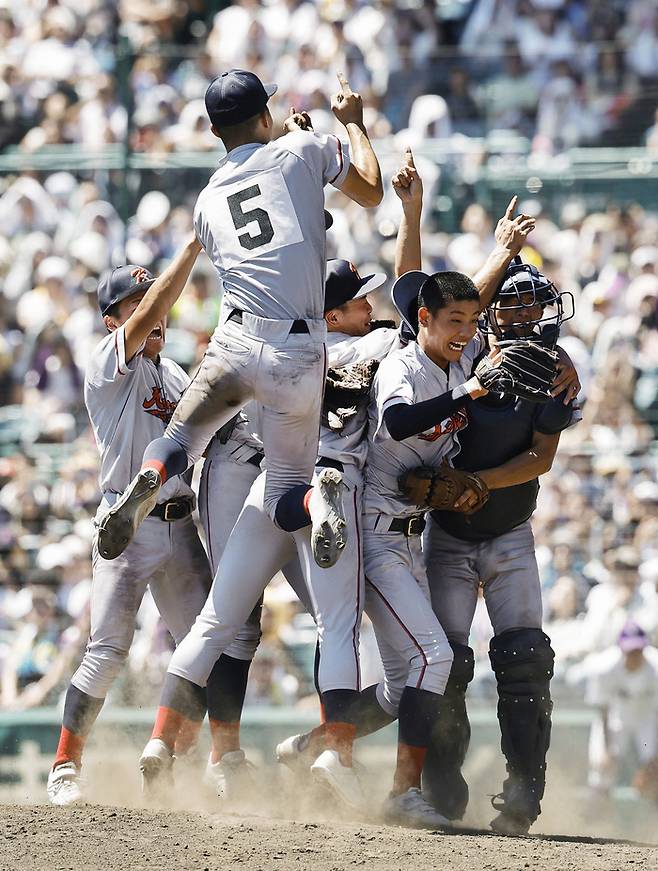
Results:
<point x="441" y="487"/>
<point x="526" y="370"/>
<point x="346" y="390"/>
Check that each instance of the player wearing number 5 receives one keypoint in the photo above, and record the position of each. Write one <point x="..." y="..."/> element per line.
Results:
<point x="261" y="222"/>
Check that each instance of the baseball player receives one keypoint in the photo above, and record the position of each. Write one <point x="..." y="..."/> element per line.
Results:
<point x="131" y="392"/>
<point x="256" y="549"/>
<point x="508" y="443"/>
<point x="261" y="222"/>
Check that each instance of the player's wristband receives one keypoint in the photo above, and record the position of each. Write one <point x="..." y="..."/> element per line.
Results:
<point x="460" y="391"/>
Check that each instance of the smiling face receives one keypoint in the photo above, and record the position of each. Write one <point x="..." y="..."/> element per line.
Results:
<point x="444" y="334"/>
<point x="123" y="310"/>
<point x="353" y="318"/>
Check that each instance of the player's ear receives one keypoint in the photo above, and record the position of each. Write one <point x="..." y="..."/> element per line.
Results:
<point x="110" y="323"/>
<point x="423" y="316"/>
<point x="215" y="131"/>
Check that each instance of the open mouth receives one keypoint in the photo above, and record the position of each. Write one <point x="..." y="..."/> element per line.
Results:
<point x="457" y="346"/>
<point x="156" y="333"/>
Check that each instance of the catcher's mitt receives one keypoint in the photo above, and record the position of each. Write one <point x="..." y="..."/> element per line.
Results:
<point x="346" y="390"/>
<point x="441" y="487"/>
<point x="526" y="370"/>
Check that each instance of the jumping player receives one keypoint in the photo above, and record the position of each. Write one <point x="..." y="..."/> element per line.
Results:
<point x="261" y="222"/>
<point x="131" y="392"/>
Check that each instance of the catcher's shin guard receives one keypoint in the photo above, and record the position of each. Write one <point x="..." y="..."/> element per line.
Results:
<point x="522" y="660"/>
<point x="443" y="783"/>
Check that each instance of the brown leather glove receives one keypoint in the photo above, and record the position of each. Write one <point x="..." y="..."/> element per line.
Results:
<point x="441" y="487"/>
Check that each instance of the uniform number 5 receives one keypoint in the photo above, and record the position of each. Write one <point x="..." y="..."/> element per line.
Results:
<point x="243" y="217"/>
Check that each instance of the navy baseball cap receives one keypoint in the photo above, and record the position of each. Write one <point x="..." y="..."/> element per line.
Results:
<point x="235" y="96"/>
<point x="404" y="294"/>
<point x="117" y="284"/>
<point x="343" y="283"/>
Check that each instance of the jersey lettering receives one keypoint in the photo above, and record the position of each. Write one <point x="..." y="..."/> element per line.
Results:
<point x="454" y="423"/>
<point x="158" y="405"/>
<point x="252" y="217"/>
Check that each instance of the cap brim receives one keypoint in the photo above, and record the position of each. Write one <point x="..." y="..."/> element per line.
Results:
<point x="628" y="644"/>
<point x="370" y="283"/>
<point x="142" y="287"/>
<point x="328" y="220"/>
<point x="404" y="294"/>
<point x="271" y="89"/>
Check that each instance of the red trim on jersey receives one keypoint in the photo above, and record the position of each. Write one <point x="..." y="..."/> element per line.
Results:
<point x="397" y="617"/>
<point x="340" y="160"/>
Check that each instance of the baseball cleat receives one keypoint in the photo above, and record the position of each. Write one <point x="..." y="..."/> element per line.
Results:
<point x="231" y="777"/>
<point x="513" y="825"/>
<point x="329" y="532"/>
<point x="118" y="527"/>
<point x="64" y="786"/>
<point x="411" y="809"/>
<point x="294" y="754"/>
<point x="156" y="764"/>
<point x="342" y="780"/>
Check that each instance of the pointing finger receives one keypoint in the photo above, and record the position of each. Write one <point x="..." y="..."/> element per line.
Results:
<point x="344" y="85"/>
<point x="408" y="157"/>
<point x="293" y="111"/>
<point x="509" y="211"/>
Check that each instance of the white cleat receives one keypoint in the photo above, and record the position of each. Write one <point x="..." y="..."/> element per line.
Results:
<point x="411" y="809"/>
<point x="64" y="787"/>
<point x="329" y="532"/>
<point x="231" y="778"/>
<point x="119" y="525"/>
<point x="341" y="779"/>
<point x="156" y="764"/>
<point x="295" y="757"/>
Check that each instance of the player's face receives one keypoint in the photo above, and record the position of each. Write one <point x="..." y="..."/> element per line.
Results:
<point x="444" y="335"/>
<point x="353" y="318"/>
<point x="523" y="316"/>
<point x="156" y="338"/>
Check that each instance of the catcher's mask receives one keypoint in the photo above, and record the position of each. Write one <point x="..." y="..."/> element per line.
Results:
<point x="528" y="306"/>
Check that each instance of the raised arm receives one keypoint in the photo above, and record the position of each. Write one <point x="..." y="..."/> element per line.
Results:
<point x="160" y="297"/>
<point x="510" y="235"/>
<point x="363" y="183"/>
<point x="408" y="185"/>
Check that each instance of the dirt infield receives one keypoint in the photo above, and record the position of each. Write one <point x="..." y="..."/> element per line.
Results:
<point x="34" y="838"/>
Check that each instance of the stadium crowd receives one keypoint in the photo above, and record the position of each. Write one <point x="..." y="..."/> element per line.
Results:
<point x="597" y="522"/>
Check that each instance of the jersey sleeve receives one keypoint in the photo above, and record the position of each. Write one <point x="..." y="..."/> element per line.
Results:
<point x="326" y="156"/>
<point x="392" y="386"/>
<point x="554" y="416"/>
<point x="108" y="362"/>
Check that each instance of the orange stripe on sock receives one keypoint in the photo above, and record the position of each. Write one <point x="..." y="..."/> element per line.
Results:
<point x="340" y="737"/>
<point x="409" y="768"/>
<point x="307" y="498"/>
<point x="70" y="748"/>
<point x="188" y="736"/>
<point x="159" y="467"/>
<point x="168" y="723"/>
<point x="225" y="738"/>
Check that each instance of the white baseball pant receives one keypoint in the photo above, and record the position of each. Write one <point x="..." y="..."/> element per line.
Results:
<point x="414" y="648"/>
<point x="168" y="558"/>
<point x="259" y="359"/>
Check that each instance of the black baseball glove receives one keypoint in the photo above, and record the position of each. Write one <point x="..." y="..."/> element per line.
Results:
<point x="527" y="370"/>
<point x="346" y="390"/>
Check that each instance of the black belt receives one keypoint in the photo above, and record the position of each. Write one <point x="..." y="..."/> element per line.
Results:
<point x="333" y="464"/>
<point x="257" y="459"/>
<point x="175" y="509"/>
<point x="408" y="525"/>
<point x="297" y="326"/>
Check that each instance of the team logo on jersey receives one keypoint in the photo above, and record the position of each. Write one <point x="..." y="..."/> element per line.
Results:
<point x="454" y="423"/>
<point x="158" y="405"/>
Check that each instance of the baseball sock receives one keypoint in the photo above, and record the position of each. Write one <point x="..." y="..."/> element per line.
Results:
<point x="340" y="730"/>
<point x="226" y="690"/>
<point x="291" y="511"/>
<point x="418" y="712"/>
<point x="80" y="713"/>
<point x="166" y="456"/>
<point x="180" y="701"/>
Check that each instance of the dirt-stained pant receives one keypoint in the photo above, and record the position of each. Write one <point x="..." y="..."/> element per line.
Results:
<point x="505" y="567"/>
<point x="168" y="558"/>
<point x="284" y="371"/>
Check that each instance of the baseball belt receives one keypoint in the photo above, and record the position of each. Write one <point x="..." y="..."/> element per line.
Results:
<point x="297" y="326"/>
<point x="174" y="509"/>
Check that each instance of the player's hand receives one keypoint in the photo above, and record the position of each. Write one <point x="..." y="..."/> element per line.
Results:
<point x="511" y="233"/>
<point x="347" y="106"/>
<point x="297" y="121"/>
<point x="566" y="379"/>
<point x="407" y="183"/>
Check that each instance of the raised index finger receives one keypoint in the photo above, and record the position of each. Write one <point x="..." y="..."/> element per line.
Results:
<point x="344" y="84"/>
<point x="408" y="157"/>
<point x="509" y="211"/>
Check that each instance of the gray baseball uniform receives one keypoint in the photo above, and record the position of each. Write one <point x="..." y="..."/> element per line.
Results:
<point x="129" y="404"/>
<point x="261" y="221"/>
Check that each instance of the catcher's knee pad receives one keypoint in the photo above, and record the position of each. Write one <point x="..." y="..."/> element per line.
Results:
<point x="442" y="777"/>
<point x="522" y="660"/>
